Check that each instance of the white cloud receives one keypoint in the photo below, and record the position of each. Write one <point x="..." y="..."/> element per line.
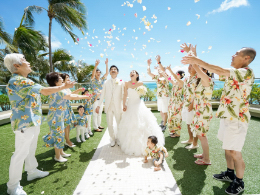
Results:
<point x="227" y="4"/>
<point x="55" y="43"/>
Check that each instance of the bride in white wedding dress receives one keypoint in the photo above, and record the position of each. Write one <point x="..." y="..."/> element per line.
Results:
<point x="138" y="122"/>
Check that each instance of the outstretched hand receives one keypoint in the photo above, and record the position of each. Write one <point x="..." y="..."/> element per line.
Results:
<point x="168" y="67"/>
<point x="97" y="62"/>
<point x="69" y="84"/>
<point x="185" y="47"/>
<point x="106" y="62"/>
<point x="158" y="58"/>
<point x="149" y="62"/>
<point x="190" y="60"/>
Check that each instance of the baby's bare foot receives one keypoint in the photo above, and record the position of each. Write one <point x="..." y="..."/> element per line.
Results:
<point x="157" y="168"/>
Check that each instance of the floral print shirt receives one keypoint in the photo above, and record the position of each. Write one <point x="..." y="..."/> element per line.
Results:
<point x="202" y="109"/>
<point x="25" y="99"/>
<point x="97" y="85"/>
<point x="189" y="89"/>
<point x="234" y="103"/>
<point x="81" y="120"/>
<point x="163" y="89"/>
<point x="88" y="105"/>
<point x="154" y="152"/>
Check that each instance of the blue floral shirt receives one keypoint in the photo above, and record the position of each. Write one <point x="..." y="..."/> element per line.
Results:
<point x="81" y="120"/>
<point x="97" y="85"/>
<point x="88" y="105"/>
<point x="25" y="99"/>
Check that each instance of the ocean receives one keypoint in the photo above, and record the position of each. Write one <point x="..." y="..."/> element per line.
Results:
<point x="217" y="84"/>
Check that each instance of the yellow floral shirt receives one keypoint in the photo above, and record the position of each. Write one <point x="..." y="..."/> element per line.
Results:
<point x="163" y="89"/>
<point x="153" y="152"/>
<point x="234" y="104"/>
<point x="189" y="90"/>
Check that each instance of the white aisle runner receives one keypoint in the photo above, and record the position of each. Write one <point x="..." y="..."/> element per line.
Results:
<point x="111" y="172"/>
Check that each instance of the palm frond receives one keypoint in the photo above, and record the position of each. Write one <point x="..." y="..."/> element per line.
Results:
<point x="28" y="14"/>
<point x="29" y="41"/>
<point x="5" y="38"/>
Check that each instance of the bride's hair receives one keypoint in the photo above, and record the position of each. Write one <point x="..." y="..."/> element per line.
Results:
<point x="137" y="78"/>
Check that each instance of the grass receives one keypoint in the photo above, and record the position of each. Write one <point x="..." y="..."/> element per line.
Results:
<point x="64" y="177"/>
<point x="191" y="178"/>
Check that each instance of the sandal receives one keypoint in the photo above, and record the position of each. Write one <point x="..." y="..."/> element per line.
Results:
<point x="175" y="136"/>
<point x="98" y="130"/>
<point x="200" y="162"/>
<point x="198" y="156"/>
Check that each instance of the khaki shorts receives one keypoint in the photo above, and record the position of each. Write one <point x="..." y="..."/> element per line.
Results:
<point x="232" y="134"/>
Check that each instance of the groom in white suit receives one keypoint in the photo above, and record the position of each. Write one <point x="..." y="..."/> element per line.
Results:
<point x="113" y="92"/>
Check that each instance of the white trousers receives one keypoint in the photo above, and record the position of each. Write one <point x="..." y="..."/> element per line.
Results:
<point x="97" y="117"/>
<point x="89" y="123"/>
<point x="111" y="114"/>
<point x="25" y="147"/>
<point x="81" y="131"/>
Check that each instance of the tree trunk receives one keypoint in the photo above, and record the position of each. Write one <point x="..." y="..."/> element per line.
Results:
<point x="50" y="53"/>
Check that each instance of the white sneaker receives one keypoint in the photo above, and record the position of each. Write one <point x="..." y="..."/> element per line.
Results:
<point x="90" y="133"/>
<point x="83" y="140"/>
<point x="65" y="155"/>
<point x="37" y="174"/>
<point x="186" y="142"/>
<point x="16" y="191"/>
<point x="87" y="136"/>
<point x="78" y="140"/>
<point x="190" y="147"/>
<point x="112" y="143"/>
<point x="60" y="160"/>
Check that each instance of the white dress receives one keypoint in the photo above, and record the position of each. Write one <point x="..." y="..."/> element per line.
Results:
<point x="136" y="125"/>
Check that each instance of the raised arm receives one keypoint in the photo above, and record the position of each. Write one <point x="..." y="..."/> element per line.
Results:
<point x="106" y="62"/>
<point x="149" y="62"/>
<point x="202" y="75"/>
<point x="94" y="70"/>
<point x="76" y="97"/>
<point x="77" y="91"/>
<point x="212" y="68"/>
<point x="174" y="75"/>
<point x="51" y="90"/>
<point x="125" y="96"/>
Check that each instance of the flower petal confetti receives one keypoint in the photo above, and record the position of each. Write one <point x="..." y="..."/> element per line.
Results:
<point x="169" y="8"/>
<point x="166" y="27"/>
<point x="77" y="39"/>
<point x="136" y="15"/>
<point x="182" y="51"/>
<point x="139" y="1"/>
<point x="188" y="23"/>
<point x="210" y="47"/>
<point x="144" y="8"/>
<point x="178" y="40"/>
<point x="198" y="16"/>
<point x="196" y="1"/>
<point x="101" y="55"/>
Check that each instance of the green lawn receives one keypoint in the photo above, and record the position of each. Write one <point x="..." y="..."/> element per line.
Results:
<point x="192" y="179"/>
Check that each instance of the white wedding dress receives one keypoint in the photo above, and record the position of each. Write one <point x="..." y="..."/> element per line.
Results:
<point x="136" y="125"/>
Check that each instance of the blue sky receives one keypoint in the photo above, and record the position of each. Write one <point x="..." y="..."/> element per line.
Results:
<point x="232" y="25"/>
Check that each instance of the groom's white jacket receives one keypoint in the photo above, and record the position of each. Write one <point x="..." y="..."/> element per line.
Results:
<point x="108" y="92"/>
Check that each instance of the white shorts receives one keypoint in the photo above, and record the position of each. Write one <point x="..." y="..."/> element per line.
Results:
<point x="232" y="134"/>
<point x="162" y="104"/>
<point x="187" y="116"/>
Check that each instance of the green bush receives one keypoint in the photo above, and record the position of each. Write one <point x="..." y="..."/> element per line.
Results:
<point x="217" y="94"/>
<point x="255" y="94"/>
<point x="4" y="102"/>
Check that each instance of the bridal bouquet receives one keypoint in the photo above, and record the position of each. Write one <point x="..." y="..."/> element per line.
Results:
<point x="141" y="90"/>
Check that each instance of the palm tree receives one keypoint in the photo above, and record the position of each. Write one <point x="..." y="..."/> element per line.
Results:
<point x="61" y="60"/>
<point x="68" y="13"/>
<point x="5" y="38"/>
